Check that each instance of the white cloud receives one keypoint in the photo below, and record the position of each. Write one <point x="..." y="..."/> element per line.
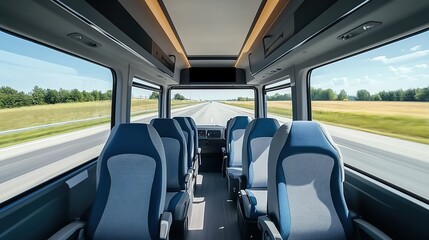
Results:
<point x="421" y="65"/>
<point x="402" y="58"/>
<point x="415" y="48"/>
<point x="401" y="69"/>
<point x="406" y="70"/>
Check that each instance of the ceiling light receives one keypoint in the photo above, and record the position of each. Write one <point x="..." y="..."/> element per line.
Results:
<point x="266" y="12"/>
<point x="162" y="20"/>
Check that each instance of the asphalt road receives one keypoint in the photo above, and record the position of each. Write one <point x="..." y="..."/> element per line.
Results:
<point x="400" y="162"/>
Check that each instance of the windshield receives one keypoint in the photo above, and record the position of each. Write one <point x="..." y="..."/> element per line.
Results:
<point x="212" y="106"/>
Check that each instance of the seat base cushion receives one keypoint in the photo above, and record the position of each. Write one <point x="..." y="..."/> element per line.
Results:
<point x="255" y="203"/>
<point x="178" y="204"/>
<point x="234" y="172"/>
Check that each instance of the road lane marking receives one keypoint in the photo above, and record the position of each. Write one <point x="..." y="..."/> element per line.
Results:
<point x="358" y="151"/>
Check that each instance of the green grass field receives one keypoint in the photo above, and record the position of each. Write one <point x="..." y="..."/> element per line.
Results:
<point x="405" y="120"/>
<point x="23" y="117"/>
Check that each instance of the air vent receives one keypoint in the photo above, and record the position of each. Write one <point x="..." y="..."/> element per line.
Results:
<point x="85" y="40"/>
<point x="213" y="133"/>
<point x="359" y="30"/>
<point x="202" y="133"/>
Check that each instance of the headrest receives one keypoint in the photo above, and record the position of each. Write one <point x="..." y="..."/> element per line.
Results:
<point x="167" y="127"/>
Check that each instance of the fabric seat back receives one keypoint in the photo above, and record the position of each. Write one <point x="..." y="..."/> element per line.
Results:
<point x="195" y="129"/>
<point x="305" y="185"/>
<point x="175" y="152"/>
<point x="131" y="185"/>
<point x="234" y="139"/>
<point x="189" y="137"/>
<point x="256" y="143"/>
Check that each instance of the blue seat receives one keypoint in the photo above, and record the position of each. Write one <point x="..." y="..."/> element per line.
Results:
<point x="305" y="187"/>
<point x="131" y="188"/>
<point x="234" y="145"/>
<point x="179" y="179"/>
<point x="252" y="200"/>
<point x="188" y="132"/>
<point x="195" y="129"/>
<point x="197" y="150"/>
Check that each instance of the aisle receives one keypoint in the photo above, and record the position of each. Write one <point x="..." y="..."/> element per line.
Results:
<point x="213" y="217"/>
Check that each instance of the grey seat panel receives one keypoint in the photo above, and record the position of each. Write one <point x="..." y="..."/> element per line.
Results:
<point x="256" y="142"/>
<point x="234" y="139"/>
<point x="172" y="155"/>
<point x="131" y="175"/>
<point x="195" y="129"/>
<point x="176" y="152"/>
<point x="236" y="146"/>
<point x="188" y="132"/>
<point x="235" y="129"/>
<point x="258" y="169"/>
<point x="256" y="145"/>
<point x="173" y="138"/>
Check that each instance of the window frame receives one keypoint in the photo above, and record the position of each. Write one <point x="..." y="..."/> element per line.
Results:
<point x="90" y="162"/>
<point x="146" y="87"/>
<point x="114" y="75"/>
<point x="310" y="116"/>
<point x="266" y="89"/>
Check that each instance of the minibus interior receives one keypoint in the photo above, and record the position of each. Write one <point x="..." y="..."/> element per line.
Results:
<point x="208" y="156"/>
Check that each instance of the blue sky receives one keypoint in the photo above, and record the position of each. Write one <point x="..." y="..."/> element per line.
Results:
<point x="24" y="64"/>
<point x="404" y="64"/>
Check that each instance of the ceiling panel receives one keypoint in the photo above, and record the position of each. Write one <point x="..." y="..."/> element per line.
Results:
<point x="212" y="28"/>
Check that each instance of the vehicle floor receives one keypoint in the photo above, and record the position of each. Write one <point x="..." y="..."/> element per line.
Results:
<point x="213" y="216"/>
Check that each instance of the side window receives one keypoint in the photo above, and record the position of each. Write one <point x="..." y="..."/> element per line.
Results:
<point x="278" y="98"/>
<point x="212" y="106"/>
<point x="144" y="101"/>
<point x="376" y="105"/>
<point x="55" y="112"/>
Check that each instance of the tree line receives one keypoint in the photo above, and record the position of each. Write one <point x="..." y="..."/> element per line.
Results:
<point x="10" y="98"/>
<point x="412" y="94"/>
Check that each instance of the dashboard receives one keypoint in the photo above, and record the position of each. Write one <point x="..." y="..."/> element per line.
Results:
<point x="211" y="132"/>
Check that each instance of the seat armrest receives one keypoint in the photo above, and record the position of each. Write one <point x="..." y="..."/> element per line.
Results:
<point x="370" y="229"/>
<point x="243" y="193"/>
<point x="268" y="229"/>
<point x="69" y="230"/>
<point x="195" y="166"/>
<point x="246" y="203"/>
<point x="224" y="165"/>
<point x="165" y="225"/>
<point x="199" y="156"/>
<point x="188" y="179"/>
